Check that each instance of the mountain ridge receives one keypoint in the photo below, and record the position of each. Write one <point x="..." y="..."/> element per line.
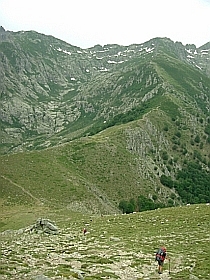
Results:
<point x="134" y="115"/>
<point x="51" y="81"/>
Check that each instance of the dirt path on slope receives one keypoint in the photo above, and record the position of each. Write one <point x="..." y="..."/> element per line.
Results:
<point x="23" y="189"/>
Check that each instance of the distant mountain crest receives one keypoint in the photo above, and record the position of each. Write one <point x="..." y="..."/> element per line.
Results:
<point x="50" y="88"/>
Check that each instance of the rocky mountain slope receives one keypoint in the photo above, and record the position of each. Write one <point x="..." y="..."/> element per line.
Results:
<point x="52" y="92"/>
<point x="134" y="121"/>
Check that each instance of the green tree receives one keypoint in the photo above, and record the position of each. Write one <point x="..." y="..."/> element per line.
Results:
<point x="164" y="155"/>
<point x="197" y="139"/>
<point x="123" y="205"/>
<point x="166" y="181"/>
<point x="130" y="208"/>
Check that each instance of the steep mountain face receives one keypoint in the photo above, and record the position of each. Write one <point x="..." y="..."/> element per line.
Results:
<point x="52" y="91"/>
<point x="150" y="103"/>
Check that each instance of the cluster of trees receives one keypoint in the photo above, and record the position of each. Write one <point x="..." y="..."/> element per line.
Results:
<point x="207" y="131"/>
<point x="191" y="183"/>
<point x="142" y="203"/>
<point x="131" y="115"/>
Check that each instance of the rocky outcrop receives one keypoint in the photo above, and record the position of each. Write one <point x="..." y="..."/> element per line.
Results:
<point x="43" y="225"/>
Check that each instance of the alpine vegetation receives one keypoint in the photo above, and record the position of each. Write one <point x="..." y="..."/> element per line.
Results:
<point x="114" y="246"/>
<point x="106" y="129"/>
<point x="88" y="135"/>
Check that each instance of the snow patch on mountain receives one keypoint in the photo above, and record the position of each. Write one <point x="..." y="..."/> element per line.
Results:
<point x="64" y="51"/>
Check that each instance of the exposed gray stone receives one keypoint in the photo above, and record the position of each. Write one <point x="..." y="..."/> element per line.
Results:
<point x="193" y="277"/>
<point x="44" y="225"/>
<point x="45" y="91"/>
<point x="41" y="277"/>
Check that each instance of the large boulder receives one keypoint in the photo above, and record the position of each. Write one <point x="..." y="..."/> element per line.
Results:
<point x="45" y="225"/>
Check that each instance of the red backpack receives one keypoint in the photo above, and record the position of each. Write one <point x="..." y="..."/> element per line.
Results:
<point x="160" y="254"/>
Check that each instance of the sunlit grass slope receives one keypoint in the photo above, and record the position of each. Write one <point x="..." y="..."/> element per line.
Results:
<point x="116" y="246"/>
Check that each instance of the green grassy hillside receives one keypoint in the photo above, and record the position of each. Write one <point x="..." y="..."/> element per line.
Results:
<point x="115" y="247"/>
<point x="152" y="152"/>
<point x="87" y="135"/>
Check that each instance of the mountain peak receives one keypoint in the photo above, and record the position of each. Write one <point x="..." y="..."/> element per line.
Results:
<point x="51" y="75"/>
<point x="205" y="46"/>
<point x="2" y="30"/>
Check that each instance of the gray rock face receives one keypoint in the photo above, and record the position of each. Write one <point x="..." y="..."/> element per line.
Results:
<point x="52" y="92"/>
<point x="45" y="226"/>
<point x="5" y="36"/>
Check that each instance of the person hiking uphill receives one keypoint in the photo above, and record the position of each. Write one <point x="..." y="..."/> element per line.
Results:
<point x="160" y="258"/>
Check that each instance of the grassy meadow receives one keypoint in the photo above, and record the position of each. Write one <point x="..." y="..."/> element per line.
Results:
<point x="115" y="247"/>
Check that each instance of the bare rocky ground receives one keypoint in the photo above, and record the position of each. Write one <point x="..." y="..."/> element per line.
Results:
<point x="66" y="256"/>
<point x="115" y="247"/>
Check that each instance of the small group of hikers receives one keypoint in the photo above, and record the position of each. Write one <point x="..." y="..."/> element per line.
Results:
<point x="161" y="255"/>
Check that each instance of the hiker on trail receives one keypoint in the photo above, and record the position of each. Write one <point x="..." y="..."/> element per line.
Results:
<point x="84" y="231"/>
<point x="160" y="258"/>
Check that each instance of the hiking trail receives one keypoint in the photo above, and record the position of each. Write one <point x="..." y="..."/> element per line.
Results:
<point x="22" y="188"/>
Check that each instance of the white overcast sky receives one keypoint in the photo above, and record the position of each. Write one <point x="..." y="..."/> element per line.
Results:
<point x="85" y="23"/>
